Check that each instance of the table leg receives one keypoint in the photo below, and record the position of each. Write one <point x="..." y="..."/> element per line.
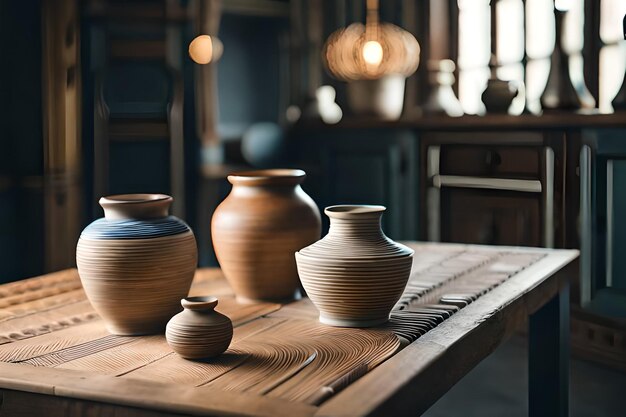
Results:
<point x="548" y="358"/>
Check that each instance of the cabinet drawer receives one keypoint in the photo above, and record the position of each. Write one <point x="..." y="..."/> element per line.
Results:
<point x="488" y="161"/>
<point x="491" y="217"/>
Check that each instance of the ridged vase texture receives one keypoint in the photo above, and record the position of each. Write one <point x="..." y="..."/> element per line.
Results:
<point x="136" y="263"/>
<point x="264" y="220"/>
<point x="355" y="274"/>
<point x="199" y="332"/>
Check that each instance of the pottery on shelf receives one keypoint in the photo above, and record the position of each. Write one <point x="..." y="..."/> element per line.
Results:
<point x="355" y="274"/>
<point x="499" y="95"/>
<point x="199" y="332"/>
<point x="136" y="263"/>
<point x="560" y="93"/>
<point x="264" y="220"/>
<point x="382" y="97"/>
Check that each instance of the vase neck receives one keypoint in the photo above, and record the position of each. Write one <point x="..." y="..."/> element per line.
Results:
<point x="356" y="228"/>
<point x="362" y="222"/>
<point x="245" y="190"/>
<point x="268" y="177"/>
<point x="205" y="304"/>
<point x="136" y="206"/>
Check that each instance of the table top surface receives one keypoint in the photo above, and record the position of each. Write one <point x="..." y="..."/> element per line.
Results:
<point x="282" y="361"/>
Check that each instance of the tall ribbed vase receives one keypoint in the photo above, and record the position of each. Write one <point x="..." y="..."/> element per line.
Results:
<point x="136" y="263"/>
<point x="355" y="274"/>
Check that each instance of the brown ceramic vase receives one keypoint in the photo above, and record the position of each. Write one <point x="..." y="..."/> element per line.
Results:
<point x="136" y="263"/>
<point x="256" y="230"/>
<point x="199" y="332"/>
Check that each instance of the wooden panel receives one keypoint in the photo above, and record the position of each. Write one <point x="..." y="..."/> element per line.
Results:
<point x="365" y="167"/>
<point x="25" y="404"/>
<point x="62" y="134"/>
<point x="137" y="49"/>
<point x="132" y="130"/>
<point x="491" y="161"/>
<point x="616" y="224"/>
<point x="491" y="217"/>
<point x="599" y="339"/>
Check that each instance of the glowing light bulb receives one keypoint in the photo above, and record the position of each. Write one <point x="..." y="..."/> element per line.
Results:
<point x="204" y="49"/>
<point x="372" y="52"/>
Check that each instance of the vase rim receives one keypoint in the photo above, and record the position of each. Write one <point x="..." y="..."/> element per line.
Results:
<point x="133" y="198"/>
<point x="277" y="176"/>
<point x="344" y="211"/>
<point x="135" y="206"/>
<point x="205" y="302"/>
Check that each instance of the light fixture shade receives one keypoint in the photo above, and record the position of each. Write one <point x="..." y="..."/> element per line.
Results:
<point x="359" y="52"/>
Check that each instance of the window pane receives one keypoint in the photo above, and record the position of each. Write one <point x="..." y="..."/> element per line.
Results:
<point x="539" y="28"/>
<point x="612" y="68"/>
<point x="537" y="71"/>
<point x="474" y="33"/>
<point x="612" y="56"/>
<point x="510" y="31"/>
<point x="573" y="39"/>
<point x="611" y="15"/>
<point x="474" y="53"/>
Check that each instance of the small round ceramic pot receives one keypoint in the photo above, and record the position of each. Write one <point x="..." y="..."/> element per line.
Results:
<point x="199" y="332"/>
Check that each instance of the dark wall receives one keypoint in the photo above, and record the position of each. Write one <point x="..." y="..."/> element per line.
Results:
<point x="21" y="141"/>
<point x="248" y="72"/>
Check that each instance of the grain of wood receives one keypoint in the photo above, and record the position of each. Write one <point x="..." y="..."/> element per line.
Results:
<point x="25" y="404"/>
<point x="50" y="321"/>
<point x="154" y="378"/>
<point x="41" y="305"/>
<point x="242" y="313"/>
<point x="52" y="342"/>
<point x="174" y="369"/>
<point x="38" y="283"/>
<point x="118" y="357"/>
<point x="142" y="394"/>
<point x="34" y="295"/>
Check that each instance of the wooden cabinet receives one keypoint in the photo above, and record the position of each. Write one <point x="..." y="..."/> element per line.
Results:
<point x="603" y="221"/>
<point x="364" y="167"/>
<point x="490" y="217"/>
<point x="491" y="161"/>
<point x="599" y="323"/>
<point x="493" y="187"/>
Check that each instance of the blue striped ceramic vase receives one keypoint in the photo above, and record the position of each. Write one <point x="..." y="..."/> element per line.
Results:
<point x="136" y="263"/>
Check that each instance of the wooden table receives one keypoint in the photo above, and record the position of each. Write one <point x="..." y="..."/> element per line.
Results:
<point x="56" y="359"/>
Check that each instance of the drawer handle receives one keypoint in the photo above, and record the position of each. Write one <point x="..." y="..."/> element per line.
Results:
<point x="493" y="159"/>
<point x="528" y="186"/>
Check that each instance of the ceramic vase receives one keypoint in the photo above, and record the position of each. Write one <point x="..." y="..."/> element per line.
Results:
<point x="382" y="98"/>
<point x="136" y="263"/>
<point x="355" y="274"/>
<point x="499" y="95"/>
<point x="256" y="230"/>
<point x="560" y="93"/>
<point x="199" y="332"/>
